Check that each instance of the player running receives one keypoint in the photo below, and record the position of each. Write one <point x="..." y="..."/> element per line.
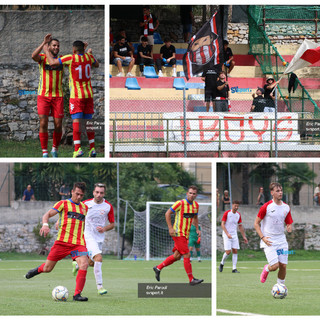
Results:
<point x="50" y="94"/>
<point x="70" y="239"/>
<point x="99" y="213"/>
<point x="194" y="241"/>
<point x="272" y="216"/>
<point x="231" y="219"/>
<point x="185" y="212"/>
<point x="81" y="94"/>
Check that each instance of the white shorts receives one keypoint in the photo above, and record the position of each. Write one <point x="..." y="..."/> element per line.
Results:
<point x="277" y="253"/>
<point x="93" y="247"/>
<point x="231" y="243"/>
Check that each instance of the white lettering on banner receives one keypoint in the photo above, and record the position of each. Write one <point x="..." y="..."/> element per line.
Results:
<point x="250" y="128"/>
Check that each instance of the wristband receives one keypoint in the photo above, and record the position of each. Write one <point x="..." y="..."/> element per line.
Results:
<point x="45" y="224"/>
<point x="262" y="237"/>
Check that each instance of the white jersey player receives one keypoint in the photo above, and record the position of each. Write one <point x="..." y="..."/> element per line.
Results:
<point x="273" y="216"/>
<point x="99" y="213"/>
<point x="231" y="219"/>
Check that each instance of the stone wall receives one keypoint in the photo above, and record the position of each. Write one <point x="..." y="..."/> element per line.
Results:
<point x="24" y="31"/>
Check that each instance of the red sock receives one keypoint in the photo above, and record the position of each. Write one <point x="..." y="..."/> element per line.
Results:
<point x="44" y="141"/>
<point x="90" y="135"/>
<point x="80" y="281"/>
<point x="76" y="135"/>
<point x="167" y="262"/>
<point x="56" y="139"/>
<point x="188" y="268"/>
<point x="40" y="269"/>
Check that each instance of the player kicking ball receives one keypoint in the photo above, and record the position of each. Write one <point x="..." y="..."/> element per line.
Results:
<point x="272" y="216"/>
<point x="185" y="212"/>
<point x="100" y="211"/>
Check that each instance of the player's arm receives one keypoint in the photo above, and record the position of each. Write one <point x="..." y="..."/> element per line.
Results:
<point x="223" y="226"/>
<point x="168" y="220"/>
<point x="289" y="227"/>
<point x="196" y="224"/>
<point x="45" y="219"/>
<point x="241" y="229"/>
<point x="35" y="54"/>
<point x="106" y="228"/>
<point x="259" y="232"/>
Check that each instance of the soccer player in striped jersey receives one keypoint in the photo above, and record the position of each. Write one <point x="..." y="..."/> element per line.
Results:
<point x="81" y="94"/>
<point x="50" y="94"/>
<point x="70" y="239"/>
<point x="185" y="212"/>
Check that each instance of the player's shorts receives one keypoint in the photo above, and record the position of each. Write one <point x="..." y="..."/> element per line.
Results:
<point x="180" y="245"/>
<point x="210" y="94"/>
<point x="231" y="243"/>
<point x="193" y="243"/>
<point x="124" y="62"/>
<point x="277" y="253"/>
<point x="62" y="249"/>
<point x="93" y="247"/>
<point x="50" y="106"/>
<point x="150" y="39"/>
<point x="84" y="106"/>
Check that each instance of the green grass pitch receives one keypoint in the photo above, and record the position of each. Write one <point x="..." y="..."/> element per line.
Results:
<point x="19" y="296"/>
<point x="244" y="292"/>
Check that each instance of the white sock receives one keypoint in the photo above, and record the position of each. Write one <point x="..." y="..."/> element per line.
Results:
<point x="267" y="268"/>
<point x="224" y="258"/>
<point x="234" y="260"/>
<point x="279" y="281"/>
<point x="98" y="273"/>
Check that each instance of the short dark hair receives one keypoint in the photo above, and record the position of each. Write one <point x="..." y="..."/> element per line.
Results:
<point x="79" y="46"/>
<point x="166" y="39"/>
<point x="80" y="185"/>
<point x="144" y="39"/>
<point x="99" y="185"/>
<point x="235" y="202"/>
<point x="120" y="37"/>
<point x="53" y="39"/>
<point x="274" y="185"/>
<point x="193" y="187"/>
<point x="225" y="42"/>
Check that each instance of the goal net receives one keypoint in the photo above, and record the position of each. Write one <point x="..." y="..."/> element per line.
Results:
<point x="151" y="239"/>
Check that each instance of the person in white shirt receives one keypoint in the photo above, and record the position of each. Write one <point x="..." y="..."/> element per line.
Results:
<point x="273" y="216"/>
<point x="99" y="213"/>
<point x="231" y="219"/>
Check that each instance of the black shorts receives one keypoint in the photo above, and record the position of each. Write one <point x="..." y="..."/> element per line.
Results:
<point x="210" y="94"/>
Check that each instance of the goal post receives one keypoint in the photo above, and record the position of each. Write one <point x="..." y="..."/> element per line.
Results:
<point x="151" y="239"/>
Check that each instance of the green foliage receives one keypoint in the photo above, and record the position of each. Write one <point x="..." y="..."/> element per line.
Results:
<point x="41" y="239"/>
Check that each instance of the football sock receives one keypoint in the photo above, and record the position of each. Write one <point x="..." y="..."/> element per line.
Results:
<point x="80" y="281"/>
<point x="43" y="136"/>
<point x="76" y="135"/>
<point x="188" y="268"/>
<point x="224" y="258"/>
<point x="98" y="273"/>
<point x="191" y="254"/>
<point x="91" y="139"/>
<point x="40" y="269"/>
<point x="234" y="260"/>
<point x="167" y="262"/>
<point x="279" y="281"/>
<point x="56" y="139"/>
<point x="198" y="254"/>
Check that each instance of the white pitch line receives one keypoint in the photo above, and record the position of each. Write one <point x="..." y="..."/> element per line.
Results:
<point x="239" y="313"/>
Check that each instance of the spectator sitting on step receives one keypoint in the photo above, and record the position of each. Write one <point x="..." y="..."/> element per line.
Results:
<point x="123" y="56"/>
<point x="145" y="57"/>
<point x="123" y="33"/>
<point x="259" y="102"/>
<point x="167" y="56"/>
<point x="228" y="56"/>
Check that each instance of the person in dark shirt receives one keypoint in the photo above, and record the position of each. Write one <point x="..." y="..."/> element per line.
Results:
<point x="28" y="194"/>
<point x="228" y="56"/>
<point x="123" y="56"/>
<point x="268" y="94"/>
<point x="223" y="93"/>
<point x="210" y="78"/>
<point x="167" y="56"/>
<point x="144" y="54"/>
<point x="259" y="102"/>
<point x="123" y="33"/>
<point x="186" y="21"/>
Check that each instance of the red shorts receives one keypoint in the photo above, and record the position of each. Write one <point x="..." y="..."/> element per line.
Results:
<point x="180" y="245"/>
<point x="81" y="105"/>
<point x="50" y="106"/>
<point x="62" y="249"/>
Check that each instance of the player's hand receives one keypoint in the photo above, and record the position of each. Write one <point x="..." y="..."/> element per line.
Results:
<point x="199" y="233"/>
<point x="89" y="50"/>
<point x="100" y="229"/>
<point x="172" y="232"/>
<point x="47" y="38"/>
<point x="44" y="231"/>
<point x="266" y="241"/>
<point x="289" y="227"/>
<point x="229" y="236"/>
<point x="245" y="240"/>
<point x="85" y="45"/>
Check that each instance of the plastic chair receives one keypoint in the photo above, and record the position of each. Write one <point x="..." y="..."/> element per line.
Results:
<point x="132" y="84"/>
<point x="150" y="72"/>
<point x="179" y="84"/>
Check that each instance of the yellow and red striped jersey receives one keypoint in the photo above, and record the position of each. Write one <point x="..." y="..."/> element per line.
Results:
<point x="79" y="74"/>
<point x="50" y="82"/>
<point x="71" y="221"/>
<point x="185" y="211"/>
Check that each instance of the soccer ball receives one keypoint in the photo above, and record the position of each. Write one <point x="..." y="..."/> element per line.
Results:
<point x="60" y="293"/>
<point x="279" y="291"/>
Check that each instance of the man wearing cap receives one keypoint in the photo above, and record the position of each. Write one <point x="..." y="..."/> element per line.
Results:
<point x="259" y="102"/>
<point x="268" y="88"/>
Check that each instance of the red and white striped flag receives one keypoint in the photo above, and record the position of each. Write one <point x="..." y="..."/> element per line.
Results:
<point x="308" y="53"/>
